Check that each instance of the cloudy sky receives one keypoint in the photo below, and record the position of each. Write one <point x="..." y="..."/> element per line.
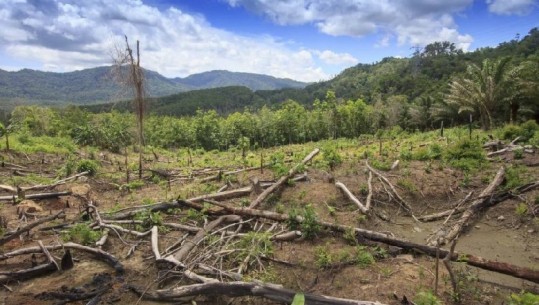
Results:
<point x="307" y="40"/>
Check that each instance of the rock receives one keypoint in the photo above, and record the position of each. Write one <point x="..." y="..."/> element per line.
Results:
<point x="501" y="218"/>
<point x="477" y="227"/>
<point x="28" y="206"/>
<point x="531" y="231"/>
<point x="82" y="179"/>
<point x="417" y="229"/>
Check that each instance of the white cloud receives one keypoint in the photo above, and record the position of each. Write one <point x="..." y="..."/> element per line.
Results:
<point x="68" y="35"/>
<point x="332" y="58"/>
<point x="410" y="21"/>
<point x="511" y="7"/>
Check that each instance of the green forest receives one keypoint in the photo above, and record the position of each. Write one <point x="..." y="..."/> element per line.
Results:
<point x="438" y="85"/>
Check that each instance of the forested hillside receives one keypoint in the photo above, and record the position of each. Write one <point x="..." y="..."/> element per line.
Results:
<point x="401" y="86"/>
<point x="95" y="85"/>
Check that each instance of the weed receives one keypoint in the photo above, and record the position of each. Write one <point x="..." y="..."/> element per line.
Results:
<point x="279" y="208"/>
<point x="331" y="156"/>
<point x="309" y="226"/>
<point x="514" y="177"/>
<point x="195" y="215"/>
<point x="426" y="298"/>
<point x="379" y="252"/>
<point x="131" y="186"/>
<point x="521" y="210"/>
<point x="518" y="153"/>
<point x="350" y="236"/>
<point x="383" y="165"/>
<point x="524" y="298"/>
<point x="363" y="257"/>
<point x="149" y="219"/>
<point x="322" y="257"/>
<point x="407" y="184"/>
<point x="331" y="210"/>
<point x="82" y="234"/>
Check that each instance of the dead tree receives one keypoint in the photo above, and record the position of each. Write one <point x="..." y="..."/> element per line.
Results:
<point x="133" y="78"/>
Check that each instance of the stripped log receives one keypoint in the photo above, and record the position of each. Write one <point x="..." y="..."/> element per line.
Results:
<point x="477" y="205"/>
<point x="351" y="196"/>
<point x="12" y="189"/>
<point x="369" y="195"/>
<point x="236" y="289"/>
<point x="265" y="194"/>
<point x="472" y="260"/>
<point x="457" y="210"/>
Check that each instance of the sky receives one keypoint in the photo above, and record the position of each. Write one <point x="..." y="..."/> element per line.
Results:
<point x="305" y="40"/>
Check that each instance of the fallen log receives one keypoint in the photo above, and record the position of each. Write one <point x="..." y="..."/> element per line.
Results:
<point x="472" y="260"/>
<point x="282" y="180"/>
<point x="369" y="195"/>
<point x="37" y="196"/>
<point x="11" y="235"/>
<point x="351" y="196"/>
<point x="477" y="205"/>
<point x="12" y="189"/>
<point x="33" y="272"/>
<point x="98" y="253"/>
<point x="236" y="289"/>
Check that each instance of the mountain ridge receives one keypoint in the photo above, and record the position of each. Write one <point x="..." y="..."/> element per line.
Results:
<point x="95" y="85"/>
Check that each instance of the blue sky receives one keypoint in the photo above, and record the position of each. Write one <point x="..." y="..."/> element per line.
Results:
<point x="307" y="40"/>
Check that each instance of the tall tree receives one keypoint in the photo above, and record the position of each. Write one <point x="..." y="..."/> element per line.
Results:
<point x="481" y="88"/>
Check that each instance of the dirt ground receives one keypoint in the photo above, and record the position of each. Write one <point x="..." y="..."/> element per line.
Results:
<point x="501" y="233"/>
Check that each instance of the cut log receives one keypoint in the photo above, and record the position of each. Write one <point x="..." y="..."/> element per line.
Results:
<point x="11" y="235"/>
<point x="477" y="205"/>
<point x="472" y="260"/>
<point x="37" y="196"/>
<point x="283" y="179"/>
<point x="351" y="196"/>
<point x="369" y="195"/>
<point x="236" y="289"/>
<point x="33" y="272"/>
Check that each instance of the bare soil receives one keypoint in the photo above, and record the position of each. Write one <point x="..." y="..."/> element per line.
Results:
<point x="499" y="234"/>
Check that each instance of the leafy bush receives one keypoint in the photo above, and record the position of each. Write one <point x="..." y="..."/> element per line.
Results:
<point x="523" y="298"/>
<point x="529" y="128"/>
<point x="85" y="165"/>
<point x="426" y="298"/>
<point x="82" y="234"/>
<point x="510" y="132"/>
<point x="331" y="156"/>
<point x="465" y="154"/>
<point x="322" y="257"/>
<point x="515" y="177"/>
<point x="309" y="226"/>
<point x="363" y="257"/>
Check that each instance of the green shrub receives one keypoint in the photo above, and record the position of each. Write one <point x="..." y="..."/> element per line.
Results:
<point x="529" y="128"/>
<point x="510" y="132"/>
<point x="85" y="165"/>
<point x="322" y="257"/>
<point x="465" y="154"/>
<point x="331" y="156"/>
<point x="82" y="234"/>
<point x="426" y="298"/>
<point x="383" y="165"/>
<point x="535" y="139"/>
<point x="523" y="298"/>
<point x="309" y="226"/>
<point x="363" y="257"/>
<point x="515" y="176"/>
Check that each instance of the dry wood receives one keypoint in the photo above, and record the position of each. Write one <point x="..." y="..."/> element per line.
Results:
<point x="369" y="196"/>
<point x="12" y="189"/>
<point x="472" y="260"/>
<point x="283" y="179"/>
<point x="7" y="276"/>
<point x="477" y="205"/>
<point x="191" y="244"/>
<point x="48" y="255"/>
<point x="236" y="289"/>
<point x="401" y="201"/>
<point x="37" y="196"/>
<point x="11" y="235"/>
<point x="287" y="236"/>
<point x="457" y="210"/>
<point x="352" y="197"/>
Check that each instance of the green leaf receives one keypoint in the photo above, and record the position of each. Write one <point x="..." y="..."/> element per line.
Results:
<point x="299" y="299"/>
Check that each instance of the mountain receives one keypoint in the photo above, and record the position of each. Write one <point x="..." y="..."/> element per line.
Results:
<point x="223" y="78"/>
<point x="95" y="85"/>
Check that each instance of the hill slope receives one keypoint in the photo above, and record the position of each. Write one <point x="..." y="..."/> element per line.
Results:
<point x="95" y="85"/>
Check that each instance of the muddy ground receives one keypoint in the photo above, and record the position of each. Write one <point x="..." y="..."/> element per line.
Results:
<point x="499" y="234"/>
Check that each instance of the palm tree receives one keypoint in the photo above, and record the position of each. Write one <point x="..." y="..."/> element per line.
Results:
<point x="481" y="88"/>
